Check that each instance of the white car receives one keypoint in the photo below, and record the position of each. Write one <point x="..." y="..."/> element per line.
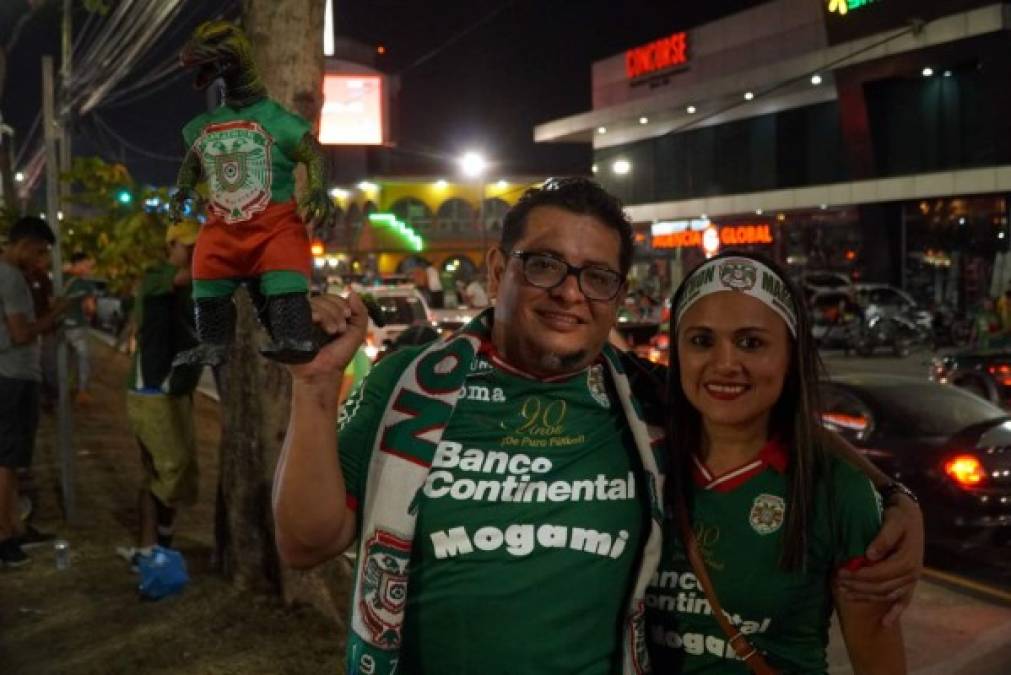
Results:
<point x="401" y="306"/>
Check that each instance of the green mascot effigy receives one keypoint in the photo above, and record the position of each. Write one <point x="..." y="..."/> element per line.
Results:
<point x="246" y="150"/>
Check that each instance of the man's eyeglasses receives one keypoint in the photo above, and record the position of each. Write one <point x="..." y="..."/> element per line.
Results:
<point x="544" y="270"/>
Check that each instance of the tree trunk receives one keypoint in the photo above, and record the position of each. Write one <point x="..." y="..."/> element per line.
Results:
<point x="288" y="45"/>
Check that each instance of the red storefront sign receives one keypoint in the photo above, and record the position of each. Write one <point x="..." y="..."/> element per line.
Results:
<point x="730" y="235"/>
<point x="668" y="52"/>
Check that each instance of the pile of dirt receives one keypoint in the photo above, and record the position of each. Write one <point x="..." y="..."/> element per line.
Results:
<point x="89" y="618"/>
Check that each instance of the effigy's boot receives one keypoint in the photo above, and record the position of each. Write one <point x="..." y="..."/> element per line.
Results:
<point x="292" y="338"/>
<point x="215" y="319"/>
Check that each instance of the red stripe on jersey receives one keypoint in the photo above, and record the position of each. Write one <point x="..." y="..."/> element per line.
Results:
<point x="772" y="455"/>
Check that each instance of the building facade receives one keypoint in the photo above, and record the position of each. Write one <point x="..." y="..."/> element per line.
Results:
<point x="391" y="225"/>
<point x="870" y="137"/>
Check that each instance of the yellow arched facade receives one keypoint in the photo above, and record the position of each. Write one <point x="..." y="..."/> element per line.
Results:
<point x="387" y="241"/>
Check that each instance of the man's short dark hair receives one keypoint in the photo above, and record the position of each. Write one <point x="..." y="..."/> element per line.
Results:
<point x="78" y="256"/>
<point x="31" y="227"/>
<point x="578" y="195"/>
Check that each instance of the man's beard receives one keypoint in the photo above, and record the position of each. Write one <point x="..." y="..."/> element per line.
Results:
<point x="562" y="363"/>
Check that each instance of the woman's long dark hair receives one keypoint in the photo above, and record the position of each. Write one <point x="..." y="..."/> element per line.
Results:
<point x="795" y="420"/>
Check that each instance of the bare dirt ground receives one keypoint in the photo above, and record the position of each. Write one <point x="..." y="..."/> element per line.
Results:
<point x="89" y="619"/>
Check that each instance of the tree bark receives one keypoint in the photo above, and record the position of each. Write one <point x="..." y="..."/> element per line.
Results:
<point x="287" y="39"/>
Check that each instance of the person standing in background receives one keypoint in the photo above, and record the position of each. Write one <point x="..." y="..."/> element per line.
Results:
<point x="80" y="290"/>
<point x="41" y="285"/>
<point x="435" y="298"/>
<point x="159" y="399"/>
<point x="475" y="295"/>
<point x="20" y="374"/>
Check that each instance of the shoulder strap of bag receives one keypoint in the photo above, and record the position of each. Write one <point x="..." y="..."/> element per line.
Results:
<point x="747" y="653"/>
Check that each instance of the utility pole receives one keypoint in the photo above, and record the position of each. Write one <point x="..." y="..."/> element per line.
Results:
<point x="51" y="133"/>
<point x="65" y="112"/>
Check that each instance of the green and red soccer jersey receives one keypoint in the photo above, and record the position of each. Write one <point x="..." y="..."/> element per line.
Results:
<point x="247" y="158"/>
<point x="529" y="524"/>
<point x="738" y="519"/>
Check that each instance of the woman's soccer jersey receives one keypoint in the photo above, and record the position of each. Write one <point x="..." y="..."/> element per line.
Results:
<point x="739" y="523"/>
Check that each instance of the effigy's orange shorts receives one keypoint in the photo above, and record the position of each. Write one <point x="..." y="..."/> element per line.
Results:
<point x="272" y="240"/>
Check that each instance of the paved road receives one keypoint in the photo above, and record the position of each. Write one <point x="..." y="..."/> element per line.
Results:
<point x="915" y="365"/>
<point x="947" y="632"/>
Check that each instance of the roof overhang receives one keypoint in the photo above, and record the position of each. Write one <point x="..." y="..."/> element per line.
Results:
<point x="776" y="86"/>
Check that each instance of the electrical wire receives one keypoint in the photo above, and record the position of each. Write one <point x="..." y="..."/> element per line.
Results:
<point x="117" y="101"/>
<point x="27" y="142"/>
<point x="459" y="36"/>
<point x="131" y="146"/>
<point x="122" y="60"/>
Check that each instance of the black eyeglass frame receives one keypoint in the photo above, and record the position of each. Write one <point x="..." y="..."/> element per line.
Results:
<point x="571" y="270"/>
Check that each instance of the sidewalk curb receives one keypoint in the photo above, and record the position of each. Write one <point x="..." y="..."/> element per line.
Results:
<point x="978" y="590"/>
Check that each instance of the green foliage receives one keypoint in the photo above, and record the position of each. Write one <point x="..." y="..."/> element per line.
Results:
<point x="124" y="238"/>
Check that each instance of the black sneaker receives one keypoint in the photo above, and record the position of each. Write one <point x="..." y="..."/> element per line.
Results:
<point x="11" y="554"/>
<point x="32" y="538"/>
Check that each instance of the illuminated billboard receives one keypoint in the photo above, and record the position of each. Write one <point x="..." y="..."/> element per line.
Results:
<point x="352" y="110"/>
<point x="688" y="234"/>
<point x="657" y="56"/>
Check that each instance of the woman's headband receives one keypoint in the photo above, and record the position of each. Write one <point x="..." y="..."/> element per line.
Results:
<point x="740" y="275"/>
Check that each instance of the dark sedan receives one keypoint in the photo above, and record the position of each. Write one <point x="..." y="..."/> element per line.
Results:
<point x="985" y="371"/>
<point x="951" y="447"/>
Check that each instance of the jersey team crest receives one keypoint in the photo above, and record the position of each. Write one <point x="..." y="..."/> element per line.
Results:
<point x="384" y="588"/>
<point x="237" y="163"/>
<point x="767" y="513"/>
<point x="738" y="275"/>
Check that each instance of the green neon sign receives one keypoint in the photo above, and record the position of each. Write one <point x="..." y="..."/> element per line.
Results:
<point x="844" y="7"/>
<point x="412" y="238"/>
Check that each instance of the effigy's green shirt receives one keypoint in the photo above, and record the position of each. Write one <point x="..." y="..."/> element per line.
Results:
<point x="247" y="155"/>
<point x="530" y="522"/>
<point x="738" y="519"/>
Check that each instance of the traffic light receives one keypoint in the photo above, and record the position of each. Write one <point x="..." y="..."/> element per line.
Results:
<point x="124" y="197"/>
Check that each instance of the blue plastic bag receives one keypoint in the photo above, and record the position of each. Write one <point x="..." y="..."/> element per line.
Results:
<point x="162" y="573"/>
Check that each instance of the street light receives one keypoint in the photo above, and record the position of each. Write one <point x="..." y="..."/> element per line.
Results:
<point x="474" y="165"/>
<point x="19" y="177"/>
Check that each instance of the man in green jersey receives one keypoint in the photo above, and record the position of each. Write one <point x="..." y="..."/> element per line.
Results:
<point x="527" y="512"/>
<point x="159" y="397"/>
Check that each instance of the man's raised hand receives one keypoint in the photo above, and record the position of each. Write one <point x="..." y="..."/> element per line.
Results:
<point x="346" y="319"/>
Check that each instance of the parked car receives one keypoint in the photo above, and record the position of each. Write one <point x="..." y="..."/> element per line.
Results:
<point x="949" y="446"/>
<point x="401" y="306"/>
<point x="817" y="281"/>
<point x="889" y="300"/>
<point x="834" y="314"/>
<point x="985" y="371"/>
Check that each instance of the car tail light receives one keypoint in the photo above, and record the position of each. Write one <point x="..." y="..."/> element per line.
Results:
<point x="965" y="470"/>
<point x="1001" y="372"/>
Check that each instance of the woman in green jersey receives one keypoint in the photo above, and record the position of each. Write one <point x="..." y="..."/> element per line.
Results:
<point x="775" y="515"/>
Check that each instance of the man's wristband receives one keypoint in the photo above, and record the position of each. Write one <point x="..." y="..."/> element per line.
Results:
<point x="895" y="488"/>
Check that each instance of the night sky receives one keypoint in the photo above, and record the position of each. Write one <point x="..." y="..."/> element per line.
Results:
<point x="528" y="63"/>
